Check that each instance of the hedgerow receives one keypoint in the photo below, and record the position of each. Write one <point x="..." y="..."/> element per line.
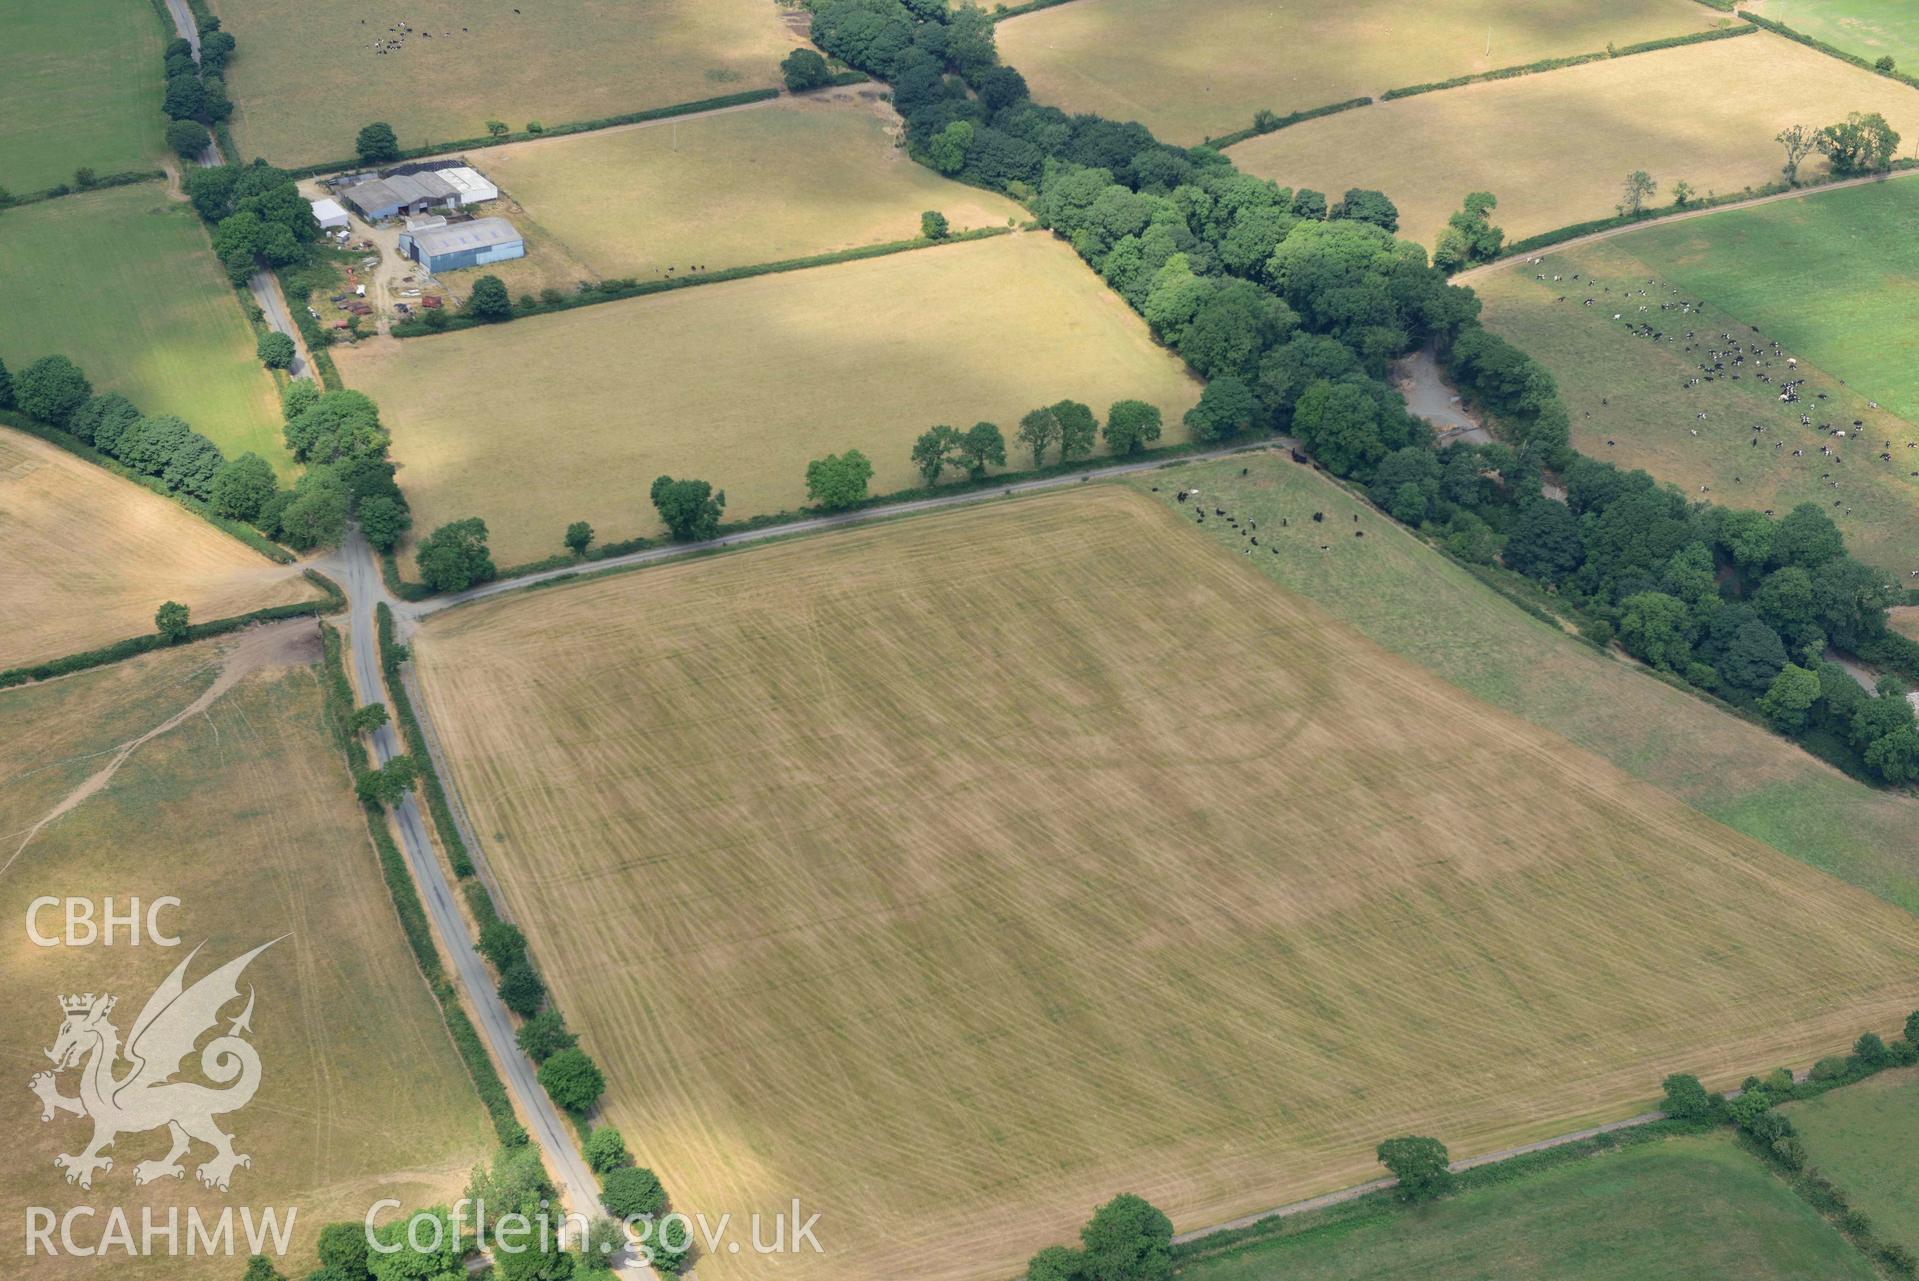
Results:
<point x="1572" y="60"/>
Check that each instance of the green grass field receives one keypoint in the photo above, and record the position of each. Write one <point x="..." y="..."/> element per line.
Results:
<point x="244" y="812"/>
<point x="1193" y="71"/>
<point x="742" y="383"/>
<point x="1830" y="276"/>
<point x="1690" y="1209"/>
<point x="1630" y="404"/>
<point x="307" y="76"/>
<point x="80" y="84"/>
<point x="1861" y="1137"/>
<point x="1049" y="838"/>
<point x="1555" y="148"/>
<point x="125" y="284"/>
<point x="1869" y="28"/>
<point x="1405" y="596"/>
<point x="789" y="179"/>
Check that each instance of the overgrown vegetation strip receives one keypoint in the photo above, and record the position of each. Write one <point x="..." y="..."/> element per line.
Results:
<point x="409" y="909"/>
<point x="126" y="178"/>
<point x="617" y="290"/>
<point x="1266" y="122"/>
<point x="1573" y="60"/>
<point x="390" y="658"/>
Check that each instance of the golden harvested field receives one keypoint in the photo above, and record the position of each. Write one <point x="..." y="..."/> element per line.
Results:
<point x="740" y="384"/>
<point x="795" y="177"/>
<point x="86" y="557"/>
<point x="308" y="76"/>
<point x="1193" y="71"/>
<point x="245" y="813"/>
<point x="1556" y="147"/>
<point x="969" y="870"/>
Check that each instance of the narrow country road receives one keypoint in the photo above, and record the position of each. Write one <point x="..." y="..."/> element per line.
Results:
<point x="264" y="288"/>
<point x="353" y="566"/>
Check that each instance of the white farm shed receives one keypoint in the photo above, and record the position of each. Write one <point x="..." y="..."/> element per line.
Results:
<point x="330" y="213"/>
<point x="470" y="186"/>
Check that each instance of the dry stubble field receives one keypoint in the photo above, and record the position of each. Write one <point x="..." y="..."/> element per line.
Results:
<point x="245" y="812"/>
<point x="740" y="384"/>
<point x="789" y="179"/>
<point x="969" y="870"/>
<point x="1556" y="147"/>
<point x="1191" y="71"/>
<point x="87" y="557"/>
<point x="307" y="76"/>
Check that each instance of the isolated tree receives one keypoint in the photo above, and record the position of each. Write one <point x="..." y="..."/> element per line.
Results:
<point x="185" y="97"/>
<point x="260" y="1268"/>
<point x="188" y="137"/>
<point x="573" y="1081"/>
<point x="1686" y="1099"/>
<point x="1039" y="431"/>
<point x="496" y="129"/>
<point x="545" y="1035"/>
<point x="502" y="944"/>
<point x="377" y="144"/>
<point x="933" y="225"/>
<point x="51" y="389"/>
<point x="1885" y="62"/>
<point x="275" y="349"/>
<point x="981" y="447"/>
<point x="1131" y="425"/>
<point x="690" y="509"/>
<point x="631" y="1191"/>
<point x="521" y="990"/>
<point x="1682" y="193"/>
<point x="838" y="481"/>
<point x="1420" y="1165"/>
<point x="454" y="557"/>
<point x="1861" y="143"/>
<point x="389" y="784"/>
<point x="579" y="536"/>
<point x="242" y="486"/>
<point x="384" y="519"/>
<point x="170" y="620"/>
<point x="1639" y="189"/>
<point x="804" y="69"/>
<point x="1127" y="1239"/>
<point x="605" y="1238"/>
<point x="935" y="448"/>
<point x="342" y="1249"/>
<point x="489" y="300"/>
<point x="1078" y="429"/>
<point x="367" y="718"/>
<point x="605" y="1150"/>
<point x="1799" y="142"/>
<point x="1469" y="236"/>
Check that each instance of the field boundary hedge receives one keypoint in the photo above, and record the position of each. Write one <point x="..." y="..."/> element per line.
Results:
<point x="456" y="850"/>
<point x="546" y="131"/>
<point x="1259" y="130"/>
<point x="134" y="646"/>
<point x="1573" y="231"/>
<point x="1831" y="51"/>
<point x="618" y="290"/>
<point x="411" y="912"/>
<point x="252" y="537"/>
<point x="1571" y="60"/>
<point x="1003" y="12"/>
<point x="126" y="178"/>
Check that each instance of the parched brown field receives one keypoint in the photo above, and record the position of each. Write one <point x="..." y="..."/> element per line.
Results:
<point x="307" y="76"/>
<point x="1192" y="71"/>
<point x="970" y="870"/>
<point x="86" y="557"/>
<point x="245" y="813"/>
<point x="788" y="179"/>
<point x="1556" y="147"/>
<point x="741" y="384"/>
<point x="1905" y="620"/>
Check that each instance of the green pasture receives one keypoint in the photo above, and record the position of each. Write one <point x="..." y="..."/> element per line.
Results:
<point x="124" y="283"/>
<point x="1869" y="28"/>
<point x="1687" y="1209"/>
<point x="80" y="85"/>
<point x="1861" y="1137"/>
